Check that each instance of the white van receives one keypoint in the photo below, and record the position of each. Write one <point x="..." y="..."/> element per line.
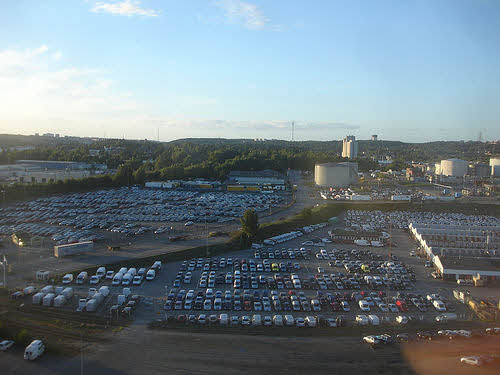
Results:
<point x="127" y="279"/>
<point x="150" y="275"/>
<point x="68" y="278"/>
<point x="82" y="277"/>
<point x="117" y="279"/>
<point x="101" y="272"/>
<point x="156" y="265"/>
<point x="256" y="320"/>
<point x="34" y="350"/>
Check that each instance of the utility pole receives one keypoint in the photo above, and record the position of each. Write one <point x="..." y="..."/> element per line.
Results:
<point x="4" y="264"/>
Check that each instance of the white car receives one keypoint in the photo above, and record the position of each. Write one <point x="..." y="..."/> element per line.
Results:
<point x="372" y="340"/>
<point x="267" y="321"/>
<point x="383" y="307"/>
<point x="137" y="280"/>
<point x="364" y="305"/>
<point x="207" y="305"/>
<point x="6" y="344"/>
<point x="94" y="280"/>
<point x="472" y="360"/>
<point x="439" y="305"/>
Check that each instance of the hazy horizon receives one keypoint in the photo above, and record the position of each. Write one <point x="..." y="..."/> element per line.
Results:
<point x="413" y="72"/>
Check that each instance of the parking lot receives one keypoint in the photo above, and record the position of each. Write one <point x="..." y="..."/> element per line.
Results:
<point x="332" y="283"/>
<point x="126" y="212"/>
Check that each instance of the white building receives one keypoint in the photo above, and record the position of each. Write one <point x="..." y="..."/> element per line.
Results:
<point x="495" y="166"/>
<point x="350" y="147"/>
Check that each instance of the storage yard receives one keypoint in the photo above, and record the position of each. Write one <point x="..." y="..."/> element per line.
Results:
<point x="304" y="277"/>
<point x="94" y="216"/>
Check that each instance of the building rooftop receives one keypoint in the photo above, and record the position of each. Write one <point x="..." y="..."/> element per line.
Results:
<point x="470" y="263"/>
<point x="262" y="173"/>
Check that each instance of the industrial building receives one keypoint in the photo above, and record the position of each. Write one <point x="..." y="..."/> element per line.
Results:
<point x="479" y="170"/>
<point x="453" y="168"/>
<point x="265" y="180"/>
<point x="460" y="252"/>
<point x="336" y="174"/>
<point x="350" y="147"/>
<point x="495" y="166"/>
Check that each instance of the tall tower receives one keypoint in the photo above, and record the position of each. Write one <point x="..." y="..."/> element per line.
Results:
<point x="350" y="147"/>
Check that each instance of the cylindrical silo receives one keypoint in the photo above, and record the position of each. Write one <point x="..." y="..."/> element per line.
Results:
<point x="454" y="167"/>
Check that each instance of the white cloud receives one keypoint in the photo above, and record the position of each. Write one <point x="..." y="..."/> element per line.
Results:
<point x="35" y="89"/>
<point x="56" y="56"/>
<point x="124" y="8"/>
<point x="249" y="15"/>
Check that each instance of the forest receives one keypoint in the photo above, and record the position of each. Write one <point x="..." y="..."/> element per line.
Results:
<point x="138" y="161"/>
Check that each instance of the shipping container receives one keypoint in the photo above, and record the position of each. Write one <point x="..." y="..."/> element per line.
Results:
<point x="73" y="249"/>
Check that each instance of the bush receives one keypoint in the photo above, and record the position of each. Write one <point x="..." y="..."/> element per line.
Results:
<point x="23" y="337"/>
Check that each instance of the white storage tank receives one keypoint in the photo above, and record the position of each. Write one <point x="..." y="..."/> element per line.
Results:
<point x="59" y="301"/>
<point x="48" y="299"/>
<point x="37" y="298"/>
<point x="454" y="167"/>
<point x="336" y="174"/>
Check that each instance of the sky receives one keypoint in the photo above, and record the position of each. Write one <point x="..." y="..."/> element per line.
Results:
<point x="409" y="70"/>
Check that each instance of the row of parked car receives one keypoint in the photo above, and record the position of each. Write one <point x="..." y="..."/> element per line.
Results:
<point x="119" y="209"/>
<point x="376" y="220"/>
<point x="125" y="276"/>
<point x="255" y="320"/>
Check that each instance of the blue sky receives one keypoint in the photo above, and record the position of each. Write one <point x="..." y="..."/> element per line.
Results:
<point x="416" y="70"/>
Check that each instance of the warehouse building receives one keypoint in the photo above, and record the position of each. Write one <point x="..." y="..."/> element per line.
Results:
<point x="265" y="180"/>
<point x="459" y="252"/>
<point x="336" y="174"/>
